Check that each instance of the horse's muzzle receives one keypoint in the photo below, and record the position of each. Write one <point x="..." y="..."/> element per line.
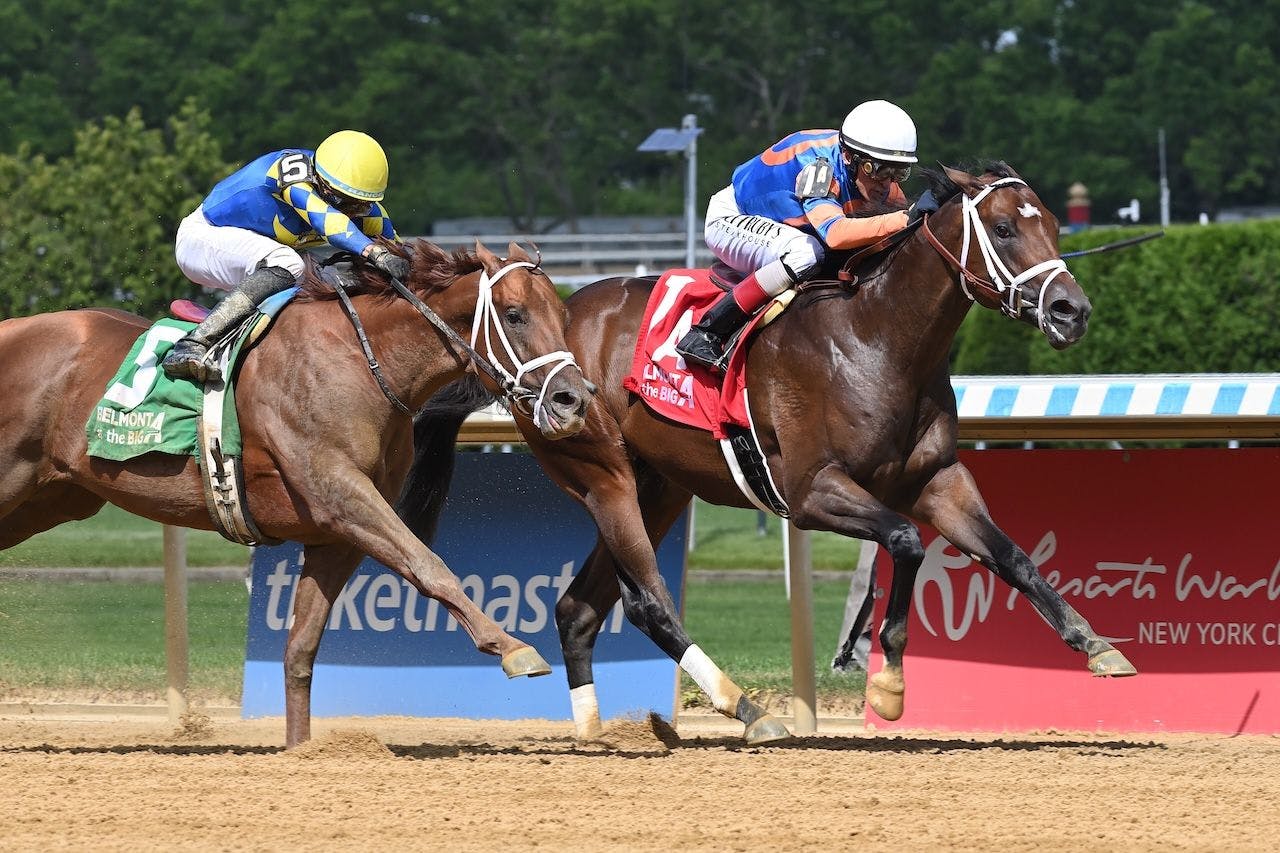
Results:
<point x="1066" y="314"/>
<point x="564" y="409"/>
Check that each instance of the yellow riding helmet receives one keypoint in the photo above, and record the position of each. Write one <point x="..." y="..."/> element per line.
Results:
<point x="354" y="164"/>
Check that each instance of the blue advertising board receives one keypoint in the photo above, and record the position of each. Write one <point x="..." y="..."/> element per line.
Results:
<point x="515" y="541"/>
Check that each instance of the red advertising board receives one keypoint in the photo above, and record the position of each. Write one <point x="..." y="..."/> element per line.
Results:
<point x="1171" y="554"/>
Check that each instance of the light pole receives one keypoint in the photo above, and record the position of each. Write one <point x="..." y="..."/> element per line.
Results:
<point x="683" y="138"/>
<point x="1164" y="184"/>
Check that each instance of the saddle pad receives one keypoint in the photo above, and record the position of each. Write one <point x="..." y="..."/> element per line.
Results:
<point x="686" y="393"/>
<point x="143" y="410"/>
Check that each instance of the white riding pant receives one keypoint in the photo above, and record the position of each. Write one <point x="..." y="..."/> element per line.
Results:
<point x="748" y="243"/>
<point x="221" y="256"/>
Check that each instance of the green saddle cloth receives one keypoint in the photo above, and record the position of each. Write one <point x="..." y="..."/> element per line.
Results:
<point x="144" y="411"/>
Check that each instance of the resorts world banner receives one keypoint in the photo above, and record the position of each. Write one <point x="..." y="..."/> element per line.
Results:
<point x="1171" y="554"/>
<point x="516" y="541"/>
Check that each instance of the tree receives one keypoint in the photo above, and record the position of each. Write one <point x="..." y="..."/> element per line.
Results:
<point x="97" y="227"/>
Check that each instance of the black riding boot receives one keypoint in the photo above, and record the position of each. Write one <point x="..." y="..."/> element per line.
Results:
<point x="187" y="358"/>
<point x="705" y="342"/>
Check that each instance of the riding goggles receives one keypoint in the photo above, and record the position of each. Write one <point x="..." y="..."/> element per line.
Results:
<point x="343" y="203"/>
<point x="884" y="171"/>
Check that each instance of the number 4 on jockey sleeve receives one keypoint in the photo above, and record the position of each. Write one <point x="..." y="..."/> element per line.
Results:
<point x="814" y="180"/>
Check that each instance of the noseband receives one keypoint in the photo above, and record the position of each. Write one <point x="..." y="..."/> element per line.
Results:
<point x="1009" y="290"/>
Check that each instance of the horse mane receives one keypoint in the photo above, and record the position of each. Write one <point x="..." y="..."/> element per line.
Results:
<point x="872" y="266"/>
<point x="430" y="268"/>
<point x="944" y="189"/>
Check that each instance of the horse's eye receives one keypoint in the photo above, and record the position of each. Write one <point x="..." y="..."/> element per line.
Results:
<point x="514" y="316"/>
<point x="1004" y="232"/>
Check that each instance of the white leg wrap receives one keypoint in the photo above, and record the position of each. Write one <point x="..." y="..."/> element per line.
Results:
<point x="586" y="711"/>
<point x="723" y="692"/>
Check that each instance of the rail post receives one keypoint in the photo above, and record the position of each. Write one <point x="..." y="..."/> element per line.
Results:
<point x="175" y="620"/>
<point x="800" y="586"/>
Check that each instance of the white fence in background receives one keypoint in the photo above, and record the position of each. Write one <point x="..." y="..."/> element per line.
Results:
<point x="579" y="259"/>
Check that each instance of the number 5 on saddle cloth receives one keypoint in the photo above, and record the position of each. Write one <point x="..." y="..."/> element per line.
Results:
<point x="144" y="411"/>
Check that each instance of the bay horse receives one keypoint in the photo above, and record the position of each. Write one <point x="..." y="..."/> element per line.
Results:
<point x="851" y="398"/>
<point x="324" y="447"/>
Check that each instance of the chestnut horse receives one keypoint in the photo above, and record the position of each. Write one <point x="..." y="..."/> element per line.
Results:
<point x="324" y="448"/>
<point x="851" y="397"/>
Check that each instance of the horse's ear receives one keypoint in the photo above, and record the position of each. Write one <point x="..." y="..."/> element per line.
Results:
<point x="968" y="184"/>
<point x="486" y="257"/>
<point x="516" y="252"/>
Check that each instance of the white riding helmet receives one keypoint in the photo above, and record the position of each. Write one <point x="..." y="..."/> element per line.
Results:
<point x="882" y="131"/>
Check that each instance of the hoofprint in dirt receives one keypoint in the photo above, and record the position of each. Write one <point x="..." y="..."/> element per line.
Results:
<point x="452" y="784"/>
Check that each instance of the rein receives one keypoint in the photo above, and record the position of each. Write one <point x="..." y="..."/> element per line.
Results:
<point x="528" y="401"/>
<point x="1001" y="281"/>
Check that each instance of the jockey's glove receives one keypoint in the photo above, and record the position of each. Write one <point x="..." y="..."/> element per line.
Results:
<point x="925" y="204"/>
<point x="388" y="261"/>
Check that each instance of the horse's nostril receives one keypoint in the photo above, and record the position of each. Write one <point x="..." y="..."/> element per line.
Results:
<point x="1064" y="309"/>
<point x="565" y="399"/>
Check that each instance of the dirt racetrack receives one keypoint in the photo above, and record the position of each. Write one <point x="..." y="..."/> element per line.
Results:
<point x="456" y="785"/>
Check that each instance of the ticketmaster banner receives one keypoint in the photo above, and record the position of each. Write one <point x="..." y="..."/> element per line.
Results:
<point x="516" y="541"/>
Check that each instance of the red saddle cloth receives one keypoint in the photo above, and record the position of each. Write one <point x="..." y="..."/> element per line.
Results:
<point x="688" y="394"/>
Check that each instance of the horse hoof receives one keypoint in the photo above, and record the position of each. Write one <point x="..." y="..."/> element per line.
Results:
<point x="1111" y="663"/>
<point x="767" y="729"/>
<point x="885" y="696"/>
<point x="525" y="661"/>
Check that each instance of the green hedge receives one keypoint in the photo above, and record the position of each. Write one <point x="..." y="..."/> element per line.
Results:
<point x="1202" y="299"/>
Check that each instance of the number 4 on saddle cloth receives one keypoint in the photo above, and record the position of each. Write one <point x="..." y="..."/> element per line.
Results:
<point x="694" y="395"/>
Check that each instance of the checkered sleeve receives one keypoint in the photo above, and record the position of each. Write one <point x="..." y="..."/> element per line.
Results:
<point x="335" y="227"/>
<point x="377" y="223"/>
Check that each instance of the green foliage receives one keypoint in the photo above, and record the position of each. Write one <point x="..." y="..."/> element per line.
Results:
<point x="990" y="344"/>
<point x="532" y="109"/>
<point x="96" y="227"/>
<point x="1198" y="300"/>
<point x="1202" y="299"/>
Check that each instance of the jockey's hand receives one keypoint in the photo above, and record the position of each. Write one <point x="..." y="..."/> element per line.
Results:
<point x="388" y="261"/>
<point x="925" y="204"/>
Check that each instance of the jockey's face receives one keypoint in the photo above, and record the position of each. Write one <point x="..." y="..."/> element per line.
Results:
<point x="873" y="184"/>
<point x="871" y="187"/>
<point x="351" y="207"/>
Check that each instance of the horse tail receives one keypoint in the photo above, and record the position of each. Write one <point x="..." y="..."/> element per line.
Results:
<point x="435" y="432"/>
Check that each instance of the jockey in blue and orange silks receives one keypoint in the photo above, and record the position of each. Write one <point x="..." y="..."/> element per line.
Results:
<point x="246" y="235"/>
<point x="790" y="204"/>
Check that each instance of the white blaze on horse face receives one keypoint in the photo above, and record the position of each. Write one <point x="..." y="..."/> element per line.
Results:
<point x="1029" y="210"/>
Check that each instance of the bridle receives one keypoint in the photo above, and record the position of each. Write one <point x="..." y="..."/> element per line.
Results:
<point x="525" y="400"/>
<point x="528" y="401"/>
<point x="1008" y="290"/>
